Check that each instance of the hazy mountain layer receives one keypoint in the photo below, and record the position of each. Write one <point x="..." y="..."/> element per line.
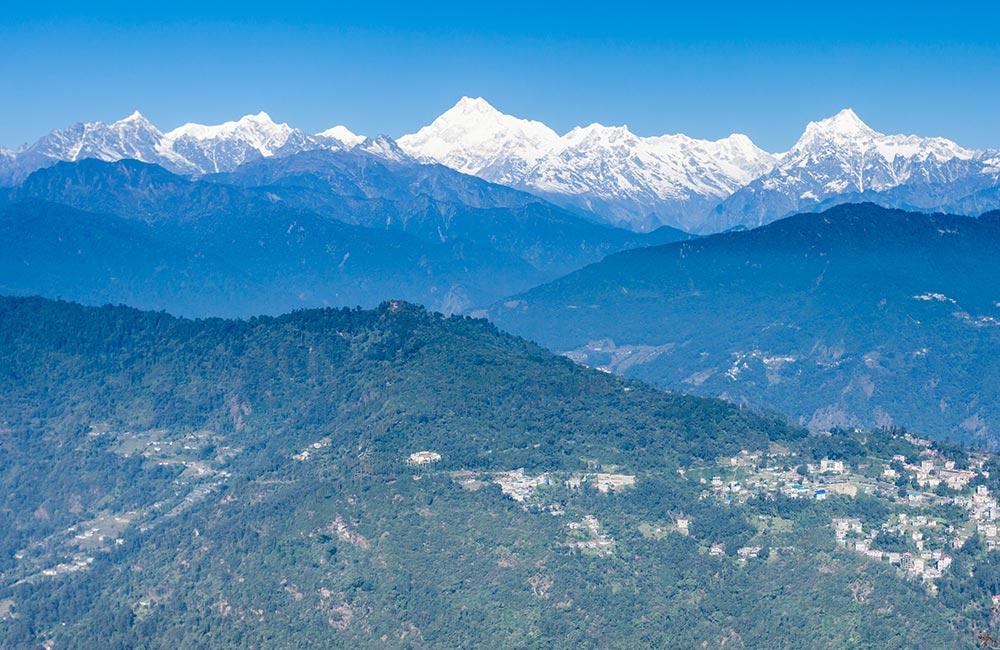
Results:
<point x="858" y="316"/>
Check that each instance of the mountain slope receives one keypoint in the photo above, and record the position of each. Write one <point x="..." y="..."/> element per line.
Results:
<point x="438" y="204"/>
<point x="174" y="483"/>
<point x="235" y="256"/>
<point x="857" y="316"/>
<point x="470" y="242"/>
<point x="55" y="250"/>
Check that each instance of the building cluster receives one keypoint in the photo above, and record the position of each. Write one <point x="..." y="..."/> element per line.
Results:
<point x="748" y="475"/>
<point x="603" y="482"/>
<point x="983" y="513"/>
<point x="595" y="540"/>
<point x="518" y="485"/>
<point x="928" y="539"/>
<point x="803" y="482"/>
<point x="920" y="544"/>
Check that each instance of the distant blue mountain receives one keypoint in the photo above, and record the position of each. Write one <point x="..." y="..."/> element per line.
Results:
<point x="318" y="228"/>
<point x="856" y="316"/>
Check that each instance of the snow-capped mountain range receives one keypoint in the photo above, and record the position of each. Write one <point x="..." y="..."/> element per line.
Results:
<point x="188" y="149"/>
<point x="629" y="180"/>
<point x="842" y="159"/>
<point x="632" y="180"/>
<point x="699" y="185"/>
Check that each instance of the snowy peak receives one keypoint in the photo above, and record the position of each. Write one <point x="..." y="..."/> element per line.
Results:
<point x="382" y="146"/>
<point x="599" y="135"/>
<point x="132" y="137"/>
<point x="841" y="158"/>
<point x="259" y="131"/>
<point x="475" y="138"/>
<point x="845" y="125"/>
<point x="846" y="132"/>
<point x="223" y="147"/>
<point x="135" y="118"/>
<point x="472" y="106"/>
<point x="342" y="135"/>
<point x="189" y="149"/>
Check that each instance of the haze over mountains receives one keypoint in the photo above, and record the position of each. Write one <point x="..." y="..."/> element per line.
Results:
<point x="857" y="316"/>
<point x="321" y="227"/>
<point x="401" y="478"/>
<point x="607" y="173"/>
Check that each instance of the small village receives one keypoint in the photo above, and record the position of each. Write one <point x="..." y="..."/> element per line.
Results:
<point x="915" y="538"/>
<point x="72" y="549"/>
<point x="919" y="542"/>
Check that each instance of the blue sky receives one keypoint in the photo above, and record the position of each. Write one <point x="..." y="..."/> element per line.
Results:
<point x="705" y="69"/>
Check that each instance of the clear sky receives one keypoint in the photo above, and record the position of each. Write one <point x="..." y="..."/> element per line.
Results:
<point x="702" y="68"/>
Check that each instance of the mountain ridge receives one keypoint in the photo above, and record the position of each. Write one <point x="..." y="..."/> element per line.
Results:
<point x="855" y="316"/>
<point x="316" y="228"/>
<point x="631" y="181"/>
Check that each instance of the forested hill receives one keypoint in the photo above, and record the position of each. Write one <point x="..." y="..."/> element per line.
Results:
<point x="857" y="316"/>
<point x="396" y="478"/>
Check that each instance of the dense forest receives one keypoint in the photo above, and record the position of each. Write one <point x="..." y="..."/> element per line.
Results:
<point x="174" y="483"/>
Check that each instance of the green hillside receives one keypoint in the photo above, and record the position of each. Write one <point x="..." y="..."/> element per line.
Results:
<point x="172" y="483"/>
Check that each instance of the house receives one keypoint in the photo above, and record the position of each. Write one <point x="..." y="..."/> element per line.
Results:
<point x="616" y="482"/>
<point x="423" y="458"/>
<point x="845" y="525"/>
<point x="795" y="491"/>
<point x="832" y="466"/>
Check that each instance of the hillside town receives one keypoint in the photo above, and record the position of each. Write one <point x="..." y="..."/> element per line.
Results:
<point x="916" y="537"/>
